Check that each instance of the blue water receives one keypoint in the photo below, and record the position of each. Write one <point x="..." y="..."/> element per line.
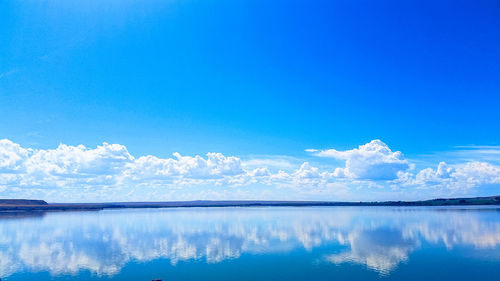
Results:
<point x="310" y="243"/>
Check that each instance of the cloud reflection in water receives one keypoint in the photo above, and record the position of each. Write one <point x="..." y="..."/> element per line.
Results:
<point x="104" y="242"/>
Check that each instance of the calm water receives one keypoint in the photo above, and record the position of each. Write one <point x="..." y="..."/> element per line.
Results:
<point x="336" y="243"/>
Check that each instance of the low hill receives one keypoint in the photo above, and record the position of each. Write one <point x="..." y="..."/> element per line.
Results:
<point x="22" y="202"/>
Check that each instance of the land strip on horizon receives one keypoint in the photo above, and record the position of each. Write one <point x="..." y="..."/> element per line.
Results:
<point x="25" y="205"/>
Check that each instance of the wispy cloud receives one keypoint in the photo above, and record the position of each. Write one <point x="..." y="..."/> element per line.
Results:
<point x="467" y="153"/>
<point x="9" y="72"/>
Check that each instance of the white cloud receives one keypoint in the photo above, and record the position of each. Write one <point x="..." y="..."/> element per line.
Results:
<point x="106" y="159"/>
<point x="111" y="165"/>
<point x="372" y="161"/>
<point x="476" y="173"/>
<point x="27" y="171"/>
<point x="308" y="175"/>
<point x="214" y="166"/>
<point x="461" y="176"/>
<point x="12" y="156"/>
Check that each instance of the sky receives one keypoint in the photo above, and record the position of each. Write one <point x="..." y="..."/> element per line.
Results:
<point x="271" y="100"/>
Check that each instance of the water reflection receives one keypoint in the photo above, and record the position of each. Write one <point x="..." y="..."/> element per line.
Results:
<point x="104" y="242"/>
<point x="381" y="249"/>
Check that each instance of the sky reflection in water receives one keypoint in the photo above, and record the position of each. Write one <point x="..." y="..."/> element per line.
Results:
<point x="323" y="243"/>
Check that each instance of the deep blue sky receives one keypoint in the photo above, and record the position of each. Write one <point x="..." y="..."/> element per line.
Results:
<point x="250" y="77"/>
<point x="269" y="77"/>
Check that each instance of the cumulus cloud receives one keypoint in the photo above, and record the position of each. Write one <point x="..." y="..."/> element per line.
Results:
<point x="372" y="161"/>
<point x="111" y="165"/>
<point x="312" y="176"/>
<point x="214" y="166"/>
<point x="462" y="176"/>
<point x="376" y="161"/>
<point x="67" y="167"/>
<point x="12" y="156"/>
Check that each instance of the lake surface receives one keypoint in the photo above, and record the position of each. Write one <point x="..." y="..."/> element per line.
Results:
<point x="306" y="243"/>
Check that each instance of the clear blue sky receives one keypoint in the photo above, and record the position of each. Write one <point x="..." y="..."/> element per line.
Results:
<point x="254" y="78"/>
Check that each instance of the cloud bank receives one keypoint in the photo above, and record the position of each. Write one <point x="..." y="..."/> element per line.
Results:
<point x="111" y="166"/>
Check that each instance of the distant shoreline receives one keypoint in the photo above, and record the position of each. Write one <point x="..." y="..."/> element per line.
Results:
<point x="22" y="205"/>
